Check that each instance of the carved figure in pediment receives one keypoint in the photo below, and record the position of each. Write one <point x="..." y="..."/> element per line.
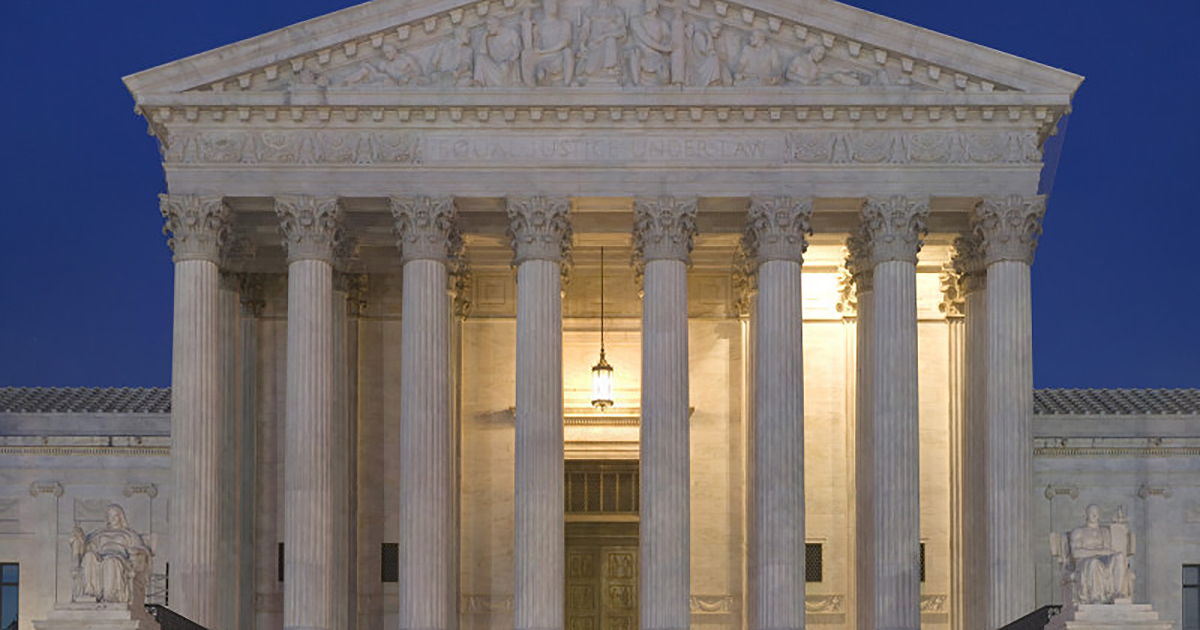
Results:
<point x="652" y="47"/>
<point x="758" y="63"/>
<point x="453" y="62"/>
<point x="548" y="58"/>
<point x="807" y="68"/>
<point x="706" y="67"/>
<point x="497" y="59"/>
<point x="397" y="68"/>
<point x="601" y="34"/>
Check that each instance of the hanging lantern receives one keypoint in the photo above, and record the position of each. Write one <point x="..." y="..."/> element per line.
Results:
<point x="602" y="372"/>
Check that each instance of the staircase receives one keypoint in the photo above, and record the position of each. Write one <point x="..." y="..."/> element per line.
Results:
<point x="1035" y="620"/>
<point x="170" y="620"/>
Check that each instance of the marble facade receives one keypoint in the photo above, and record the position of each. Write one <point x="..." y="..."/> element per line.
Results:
<point x="386" y="225"/>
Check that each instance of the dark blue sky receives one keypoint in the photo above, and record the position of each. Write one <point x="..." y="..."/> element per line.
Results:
<point x="85" y="274"/>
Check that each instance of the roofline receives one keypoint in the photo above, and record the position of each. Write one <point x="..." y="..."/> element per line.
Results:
<point x="285" y="43"/>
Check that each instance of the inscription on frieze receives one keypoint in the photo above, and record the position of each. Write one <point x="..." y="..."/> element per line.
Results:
<point x="644" y="148"/>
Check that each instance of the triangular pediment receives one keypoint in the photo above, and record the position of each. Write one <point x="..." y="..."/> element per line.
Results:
<point x="622" y="46"/>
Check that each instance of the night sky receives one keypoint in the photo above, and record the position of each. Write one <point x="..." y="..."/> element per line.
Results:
<point x="85" y="273"/>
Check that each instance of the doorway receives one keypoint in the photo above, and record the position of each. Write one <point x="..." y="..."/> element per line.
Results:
<point x="601" y="545"/>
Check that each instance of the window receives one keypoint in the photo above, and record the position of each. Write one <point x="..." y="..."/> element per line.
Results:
<point x="389" y="566"/>
<point x="10" y="580"/>
<point x="814" y="562"/>
<point x="279" y="563"/>
<point x="1191" y="597"/>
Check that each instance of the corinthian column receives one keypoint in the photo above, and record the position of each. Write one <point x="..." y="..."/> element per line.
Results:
<point x="311" y="228"/>
<point x="1008" y="229"/>
<point x="662" y="239"/>
<point x="776" y="236"/>
<point x="427" y="239"/>
<point x="197" y="226"/>
<point x="858" y="263"/>
<point x="968" y="264"/>
<point x="894" y="227"/>
<point x="540" y="230"/>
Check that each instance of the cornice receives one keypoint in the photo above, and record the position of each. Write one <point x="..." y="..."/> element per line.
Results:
<point x="343" y="34"/>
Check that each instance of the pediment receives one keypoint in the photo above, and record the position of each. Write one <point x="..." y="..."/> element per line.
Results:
<point x="624" y="47"/>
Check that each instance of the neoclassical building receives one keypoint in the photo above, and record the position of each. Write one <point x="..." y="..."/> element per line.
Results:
<point x="409" y="200"/>
<point x="800" y="234"/>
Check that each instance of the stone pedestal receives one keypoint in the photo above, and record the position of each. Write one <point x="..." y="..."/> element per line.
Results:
<point x="86" y="616"/>
<point x="1119" y="616"/>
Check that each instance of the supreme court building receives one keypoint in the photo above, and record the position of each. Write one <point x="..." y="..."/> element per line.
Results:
<point x="817" y="228"/>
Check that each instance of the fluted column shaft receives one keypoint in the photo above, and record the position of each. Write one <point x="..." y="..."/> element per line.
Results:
<point x="342" y="458"/>
<point x="974" y="525"/>
<point x="311" y="228"/>
<point x="541" y="234"/>
<point x="198" y="226"/>
<point x="858" y="264"/>
<point x="424" y="227"/>
<point x="1009" y="229"/>
<point x="663" y="232"/>
<point x="894" y="226"/>
<point x="776" y="233"/>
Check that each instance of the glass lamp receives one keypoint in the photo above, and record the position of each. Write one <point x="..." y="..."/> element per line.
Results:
<point x="602" y="372"/>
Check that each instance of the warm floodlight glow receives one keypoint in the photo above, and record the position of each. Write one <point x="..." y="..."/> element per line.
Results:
<point x="602" y="372"/>
<point x="602" y="383"/>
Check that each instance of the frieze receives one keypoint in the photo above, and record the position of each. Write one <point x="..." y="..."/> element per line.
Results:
<point x="582" y="43"/>
<point x="389" y="149"/>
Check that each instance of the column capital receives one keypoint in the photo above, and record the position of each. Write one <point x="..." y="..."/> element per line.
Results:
<point x="196" y="225"/>
<point x="952" y="283"/>
<point x="539" y="228"/>
<point x="425" y="228"/>
<point x="311" y="226"/>
<point x="1009" y="227"/>
<point x="663" y="228"/>
<point x="967" y="261"/>
<point x="895" y="227"/>
<point x="777" y="227"/>
<point x="858" y="260"/>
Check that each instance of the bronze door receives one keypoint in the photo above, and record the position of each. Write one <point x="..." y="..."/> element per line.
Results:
<point x="602" y="588"/>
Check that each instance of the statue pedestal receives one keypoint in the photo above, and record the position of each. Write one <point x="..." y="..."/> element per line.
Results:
<point x="1117" y="616"/>
<point x="94" y="616"/>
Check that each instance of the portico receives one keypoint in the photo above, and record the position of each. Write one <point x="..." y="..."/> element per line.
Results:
<point x="420" y="252"/>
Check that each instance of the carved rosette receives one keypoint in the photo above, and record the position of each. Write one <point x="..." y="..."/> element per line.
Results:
<point x="196" y="225"/>
<point x="539" y="228"/>
<point x="895" y="227"/>
<point x="858" y="262"/>
<point x="967" y="261"/>
<point x="311" y="226"/>
<point x="425" y="228"/>
<point x="777" y="228"/>
<point x="663" y="228"/>
<point x="1009" y="227"/>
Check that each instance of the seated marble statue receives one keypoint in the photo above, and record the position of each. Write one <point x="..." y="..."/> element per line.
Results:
<point x="1095" y="559"/>
<point x="112" y="564"/>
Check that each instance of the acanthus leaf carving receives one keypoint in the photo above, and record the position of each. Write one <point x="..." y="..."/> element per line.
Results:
<point x="539" y="228"/>
<point x="664" y="228"/>
<point x="777" y="228"/>
<point x="1009" y="227"/>
<point x="311" y="226"/>
<point x="196" y="225"/>
<point x="895" y="227"/>
<point x="425" y="228"/>
<point x="968" y="265"/>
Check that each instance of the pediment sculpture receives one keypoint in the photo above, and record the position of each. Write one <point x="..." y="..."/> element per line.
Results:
<point x="1094" y="559"/>
<point x="577" y="43"/>
<point x="111" y="564"/>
